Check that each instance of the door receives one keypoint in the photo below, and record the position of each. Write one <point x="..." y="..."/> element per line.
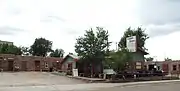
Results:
<point x="165" y="68"/>
<point x="69" y="66"/>
<point x="24" y="66"/>
<point x="10" y="65"/>
<point x="37" y="65"/>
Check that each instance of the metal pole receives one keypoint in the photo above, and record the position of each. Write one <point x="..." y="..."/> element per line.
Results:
<point x="116" y="46"/>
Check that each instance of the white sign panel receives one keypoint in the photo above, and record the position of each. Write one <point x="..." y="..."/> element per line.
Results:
<point x="109" y="71"/>
<point x="131" y="43"/>
<point x="75" y="72"/>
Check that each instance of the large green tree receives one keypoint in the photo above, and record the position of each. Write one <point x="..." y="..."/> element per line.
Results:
<point x="93" y="46"/>
<point x="57" y="53"/>
<point x="41" y="47"/>
<point x="118" y="60"/>
<point x="140" y="34"/>
<point x="10" y="49"/>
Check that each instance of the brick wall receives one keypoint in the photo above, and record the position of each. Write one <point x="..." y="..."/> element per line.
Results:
<point x="28" y="63"/>
<point x="167" y="66"/>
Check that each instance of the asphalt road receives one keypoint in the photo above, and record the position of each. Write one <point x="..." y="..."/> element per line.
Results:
<point x="38" y="81"/>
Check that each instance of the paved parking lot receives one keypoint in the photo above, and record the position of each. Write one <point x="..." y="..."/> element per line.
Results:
<point x="42" y="81"/>
<point x="34" y="79"/>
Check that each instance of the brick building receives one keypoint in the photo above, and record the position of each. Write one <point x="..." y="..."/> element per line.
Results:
<point x="171" y="67"/>
<point x="9" y="62"/>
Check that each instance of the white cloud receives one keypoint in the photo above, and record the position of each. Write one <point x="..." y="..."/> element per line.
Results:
<point x="165" y="46"/>
<point x="62" y="21"/>
<point x="162" y="30"/>
<point x="159" y="11"/>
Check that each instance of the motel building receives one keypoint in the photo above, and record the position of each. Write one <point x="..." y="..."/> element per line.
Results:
<point x="169" y="67"/>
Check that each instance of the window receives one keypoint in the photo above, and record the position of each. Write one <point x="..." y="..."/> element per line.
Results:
<point x="46" y="65"/>
<point x="174" y="67"/>
<point x="138" y="65"/>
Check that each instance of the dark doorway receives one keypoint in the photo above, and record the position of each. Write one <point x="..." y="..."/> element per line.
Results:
<point x="51" y="69"/>
<point x="10" y="65"/>
<point x="24" y="66"/>
<point x="69" y="66"/>
<point x="37" y="65"/>
<point x="151" y="67"/>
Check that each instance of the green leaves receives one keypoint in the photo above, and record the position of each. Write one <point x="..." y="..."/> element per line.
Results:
<point x="57" y="53"/>
<point x="25" y="51"/>
<point x="10" y="49"/>
<point x="149" y="59"/>
<point x="118" y="60"/>
<point x="93" y="46"/>
<point x="139" y="33"/>
<point x="41" y="47"/>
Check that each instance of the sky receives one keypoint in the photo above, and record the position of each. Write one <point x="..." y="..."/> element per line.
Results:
<point x="62" y="21"/>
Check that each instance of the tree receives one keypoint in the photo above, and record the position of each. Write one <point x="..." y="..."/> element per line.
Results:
<point x="93" y="46"/>
<point x="10" y="49"/>
<point x="140" y="34"/>
<point x="25" y="51"/>
<point x="41" y="47"/>
<point x="118" y="60"/>
<point x="57" y="53"/>
<point x="168" y="59"/>
<point x="149" y="59"/>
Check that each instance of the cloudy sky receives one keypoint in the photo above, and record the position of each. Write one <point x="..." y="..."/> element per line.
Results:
<point x="62" y="21"/>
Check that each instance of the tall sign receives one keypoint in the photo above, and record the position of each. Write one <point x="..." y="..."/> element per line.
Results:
<point x="131" y="43"/>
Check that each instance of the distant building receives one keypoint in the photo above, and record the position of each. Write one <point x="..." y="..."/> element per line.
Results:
<point x="6" y="42"/>
<point x="10" y="62"/>
<point x="170" y="67"/>
<point x="138" y="59"/>
<point x="69" y="62"/>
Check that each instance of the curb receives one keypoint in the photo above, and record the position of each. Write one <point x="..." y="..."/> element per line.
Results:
<point x="59" y="74"/>
<point x="147" y="82"/>
<point x="88" y="80"/>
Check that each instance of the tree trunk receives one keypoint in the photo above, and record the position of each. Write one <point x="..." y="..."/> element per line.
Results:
<point x="92" y="70"/>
